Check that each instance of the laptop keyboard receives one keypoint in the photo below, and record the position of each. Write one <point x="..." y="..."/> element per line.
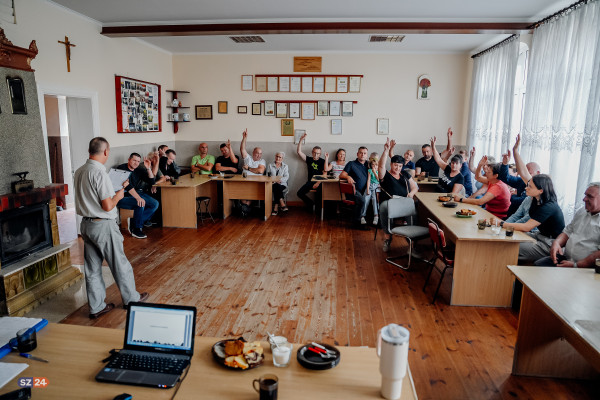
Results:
<point x="147" y="363"/>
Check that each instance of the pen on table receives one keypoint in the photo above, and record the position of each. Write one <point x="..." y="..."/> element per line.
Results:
<point x="26" y="355"/>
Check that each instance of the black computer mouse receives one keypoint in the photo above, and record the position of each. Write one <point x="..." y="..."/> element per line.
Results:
<point x="123" y="396"/>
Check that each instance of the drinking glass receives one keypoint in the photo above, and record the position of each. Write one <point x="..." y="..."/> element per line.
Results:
<point x="282" y="353"/>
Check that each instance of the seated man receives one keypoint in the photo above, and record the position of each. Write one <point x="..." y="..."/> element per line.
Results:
<point x="227" y="162"/>
<point x="315" y="166"/>
<point x="516" y="182"/>
<point x="203" y="162"/>
<point x="427" y="163"/>
<point x="167" y="165"/>
<point x="357" y="173"/>
<point x="408" y="157"/>
<point x="162" y="152"/>
<point x="253" y="164"/>
<point x="581" y="238"/>
<point x="136" y="197"/>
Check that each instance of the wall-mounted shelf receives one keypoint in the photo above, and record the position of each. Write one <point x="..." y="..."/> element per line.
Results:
<point x="175" y="109"/>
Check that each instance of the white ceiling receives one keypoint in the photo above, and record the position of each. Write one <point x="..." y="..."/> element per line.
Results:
<point x="162" y="12"/>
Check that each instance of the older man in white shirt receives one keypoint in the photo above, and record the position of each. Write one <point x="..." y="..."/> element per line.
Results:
<point x="581" y="238"/>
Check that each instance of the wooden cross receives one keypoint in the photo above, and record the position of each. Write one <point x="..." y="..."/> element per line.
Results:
<point x="68" y="46"/>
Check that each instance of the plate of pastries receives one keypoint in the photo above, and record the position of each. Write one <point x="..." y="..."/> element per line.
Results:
<point x="238" y="354"/>
<point x="465" y="213"/>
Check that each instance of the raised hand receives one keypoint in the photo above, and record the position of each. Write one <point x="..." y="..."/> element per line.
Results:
<point x="229" y="144"/>
<point x="483" y="160"/>
<point x="433" y="140"/>
<point x="392" y="144"/>
<point x="517" y="142"/>
<point x="147" y="162"/>
<point x="506" y="157"/>
<point x="472" y="153"/>
<point x="303" y="136"/>
<point x="245" y="133"/>
<point x="450" y="133"/>
<point x="326" y="155"/>
<point x="386" y="146"/>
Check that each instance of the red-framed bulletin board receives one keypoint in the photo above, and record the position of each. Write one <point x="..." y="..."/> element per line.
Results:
<point x="138" y="105"/>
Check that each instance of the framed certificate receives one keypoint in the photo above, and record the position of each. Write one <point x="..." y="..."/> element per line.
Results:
<point x="330" y="83"/>
<point x="323" y="108"/>
<point x="307" y="84"/>
<point x="222" y="107"/>
<point x="256" y="109"/>
<point x="270" y="107"/>
<point x="294" y="110"/>
<point x="284" y="83"/>
<point x="319" y="84"/>
<point x="287" y="127"/>
<point x="242" y="110"/>
<point x="204" y="112"/>
<point x="261" y="83"/>
<point x="308" y="110"/>
<point x="272" y="84"/>
<point x="383" y="126"/>
<point x="295" y="84"/>
<point x="281" y="110"/>
<point x="354" y="84"/>
<point x="347" y="108"/>
<point x="342" y="84"/>
<point x="247" y="82"/>
<point x="335" y="108"/>
<point x="336" y="126"/>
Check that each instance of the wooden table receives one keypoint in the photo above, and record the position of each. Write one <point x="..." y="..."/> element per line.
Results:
<point x="480" y="274"/>
<point x="253" y="187"/>
<point x="330" y="191"/>
<point x="558" y="304"/>
<point x="179" y="201"/>
<point x="75" y="354"/>
<point x="425" y="186"/>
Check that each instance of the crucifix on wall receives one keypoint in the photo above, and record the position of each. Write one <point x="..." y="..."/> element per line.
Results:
<point x="68" y="46"/>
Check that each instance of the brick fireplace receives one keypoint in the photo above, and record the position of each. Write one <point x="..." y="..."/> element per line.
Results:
<point x="36" y="276"/>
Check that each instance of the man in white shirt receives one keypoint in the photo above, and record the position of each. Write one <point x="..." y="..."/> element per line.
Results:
<point x="253" y="164"/>
<point x="581" y="238"/>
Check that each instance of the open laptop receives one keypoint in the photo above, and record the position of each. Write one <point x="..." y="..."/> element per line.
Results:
<point x="158" y="346"/>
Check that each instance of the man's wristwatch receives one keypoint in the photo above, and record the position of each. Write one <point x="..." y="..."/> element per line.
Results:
<point x="461" y="199"/>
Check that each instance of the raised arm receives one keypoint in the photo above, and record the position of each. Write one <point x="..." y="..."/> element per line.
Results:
<point x="299" y="148"/>
<point x="449" y="134"/>
<point x="383" y="159"/>
<point x="243" y="144"/>
<point x="478" y="176"/>
<point x="232" y="156"/>
<point x="436" y="155"/>
<point x="328" y="166"/>
<point x="472" y="160"/>
<point x="521" y="168"/>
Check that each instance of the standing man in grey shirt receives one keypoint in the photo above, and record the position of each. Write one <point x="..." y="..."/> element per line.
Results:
<point x="95" y="201"/>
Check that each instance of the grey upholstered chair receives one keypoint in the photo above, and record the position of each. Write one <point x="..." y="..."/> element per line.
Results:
<point x="404" y="207"/>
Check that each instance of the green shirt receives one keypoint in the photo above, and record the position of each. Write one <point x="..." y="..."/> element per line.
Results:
<point x="201" y="161"/>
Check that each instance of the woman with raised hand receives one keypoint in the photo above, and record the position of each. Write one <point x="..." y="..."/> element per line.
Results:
<point x="451" y="181"/>
<point x="279" y="168"/>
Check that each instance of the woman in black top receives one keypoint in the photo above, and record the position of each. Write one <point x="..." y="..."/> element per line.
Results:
<point x="451" y="181"/>
<point x="544" y="212"/>
<point x="394" y="182"/>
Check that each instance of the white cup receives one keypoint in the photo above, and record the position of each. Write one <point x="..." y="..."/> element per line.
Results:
<point x="282" y="353"/>
<point x="175" y="117"/>
<point x="392" y="350"/>
<point x="186" y="117"/>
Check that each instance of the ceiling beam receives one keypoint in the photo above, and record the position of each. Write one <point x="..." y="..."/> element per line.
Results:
<point x="318" y="28"/>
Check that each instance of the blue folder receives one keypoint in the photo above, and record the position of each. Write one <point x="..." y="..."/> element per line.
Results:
<point x="4" y="350"/>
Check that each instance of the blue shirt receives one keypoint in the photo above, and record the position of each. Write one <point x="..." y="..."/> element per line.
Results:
<point x="359" y="172"/>
<point x="468" y="183"/>
<point x="408" y="165"/>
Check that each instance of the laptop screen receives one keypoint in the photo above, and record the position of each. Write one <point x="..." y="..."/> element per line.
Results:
<point x="160" y="327"/>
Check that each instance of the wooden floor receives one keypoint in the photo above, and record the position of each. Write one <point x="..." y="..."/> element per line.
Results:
<point x="310" y="280"/>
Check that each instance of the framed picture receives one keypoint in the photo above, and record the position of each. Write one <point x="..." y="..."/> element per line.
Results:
<point x="281" y="110"/>
<point x="330" y="84"/>
<point x="354" y="84"/>
<point x="287" y="127"/>
<point x="342" y="84"/>
<point x="308" y="110"/>
<point x="272" y="84"/>
<point x="295" y="83"/>
<point x="323" y="108"/>
<point x="383" y="126"/>
<point x="284" y="83"/>
<point x="294" y="110"/>
<point x="270" y="107"/>
<point x="138" y="105"/>
<point x="16" y="90"/>
<point x="204" y="112"/>
<point x="424" y="91"/>
<point x="247" y="82"/>
<point x="261" y="83"/>
<point x="319" y="84"/>
<point x="222" y="107"/>
<point x="256" y="110"/>
<point x="307" y="84"/>
<point x="242" y="110"/>
<point x="347" y="108"/>
<point x="336" y="126"/>
<point x="335" y="108"/>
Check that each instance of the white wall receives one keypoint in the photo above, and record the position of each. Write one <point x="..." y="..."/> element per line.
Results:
<point x="389" y="90"/>
<point x="95" y="61"/>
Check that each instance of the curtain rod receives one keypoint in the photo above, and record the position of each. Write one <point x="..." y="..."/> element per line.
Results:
<point x="559" y="13"/>
<point x="508" y="39"/>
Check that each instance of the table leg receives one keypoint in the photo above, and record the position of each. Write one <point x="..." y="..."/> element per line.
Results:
<point x="268" y="198"/>
<point x="226" y="200"/>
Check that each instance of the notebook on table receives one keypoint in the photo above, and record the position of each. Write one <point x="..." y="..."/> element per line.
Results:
<point x="157" y="348"/>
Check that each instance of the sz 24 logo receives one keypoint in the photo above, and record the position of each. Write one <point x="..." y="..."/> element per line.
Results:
<point x="36" y="382"/>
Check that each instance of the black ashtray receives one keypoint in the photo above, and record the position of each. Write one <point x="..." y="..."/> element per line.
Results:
<point x="311" y="360"/>
<point x="450" y="204"/>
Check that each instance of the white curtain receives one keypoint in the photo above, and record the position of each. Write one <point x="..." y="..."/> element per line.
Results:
<point x="492" y="94"/>
<point x="562" y="103"/>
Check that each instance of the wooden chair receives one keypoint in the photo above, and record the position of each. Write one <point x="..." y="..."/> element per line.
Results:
<point x="404" y="207"/>
<point x="346" y="203"/>
<point x="441" y="252"/>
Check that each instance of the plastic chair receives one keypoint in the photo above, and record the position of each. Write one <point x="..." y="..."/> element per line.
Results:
<point x="441" y="252"/>
<point x="404" y="207"/>
<point x="206" y="201"/>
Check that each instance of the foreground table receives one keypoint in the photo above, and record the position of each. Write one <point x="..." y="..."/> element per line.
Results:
<point x="558" y="304"/>
<point x="253" y="187"/>
<point x="480" y="276"/>
<point x="75" y="352"/>
<point x="179" y="201"/>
